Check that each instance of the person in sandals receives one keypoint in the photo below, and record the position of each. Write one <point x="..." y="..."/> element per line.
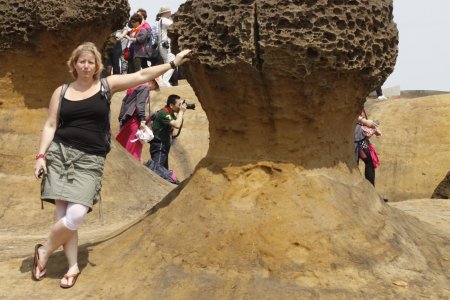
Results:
<point x="73" y="147"/>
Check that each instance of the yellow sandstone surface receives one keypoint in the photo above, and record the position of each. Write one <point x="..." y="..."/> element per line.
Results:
<point x="414" y="150"/>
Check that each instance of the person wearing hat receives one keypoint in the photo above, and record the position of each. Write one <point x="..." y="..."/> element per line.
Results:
<point x="164" y="43"/>
<point x="132" y="116"/>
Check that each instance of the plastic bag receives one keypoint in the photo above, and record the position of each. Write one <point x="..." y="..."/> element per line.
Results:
<point x="143" y="135"/>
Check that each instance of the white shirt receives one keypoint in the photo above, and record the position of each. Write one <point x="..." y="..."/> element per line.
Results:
<point x="165" y="23"/>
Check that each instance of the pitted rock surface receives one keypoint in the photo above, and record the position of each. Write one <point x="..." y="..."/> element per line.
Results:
<point x="37" y="38"/>
<point x="261" y="67"/>
<point x="22" y="21"/>
<point x="297" y="37"/>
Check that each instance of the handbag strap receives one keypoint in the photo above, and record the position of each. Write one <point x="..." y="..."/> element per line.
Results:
<point x="64" y="88"/>
<point x="148" y="101"/>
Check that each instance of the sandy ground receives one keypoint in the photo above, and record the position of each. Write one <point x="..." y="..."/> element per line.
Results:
<point x="19" y="233"/>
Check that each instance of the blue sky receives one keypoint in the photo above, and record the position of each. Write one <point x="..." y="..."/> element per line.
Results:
<point x="424" y="50"/>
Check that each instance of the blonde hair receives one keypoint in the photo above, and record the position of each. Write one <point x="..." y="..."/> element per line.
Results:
<point x="88" y="47"/>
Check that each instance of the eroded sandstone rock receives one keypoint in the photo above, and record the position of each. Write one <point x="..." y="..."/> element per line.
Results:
<point x="37" y="37"/>
<point x="442" y="191"/>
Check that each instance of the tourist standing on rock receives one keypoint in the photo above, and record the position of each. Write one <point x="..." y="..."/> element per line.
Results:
<point x="145" y="42"/>
<point x="108" y="52"/>
<point x="132" y="116"/>
<point x="73" y="147"/>
<point x="120" y="65"/>
<point x="165" y="22"/>
<point x="137" y="37"/>
<point x="364" y="149"/>
<point x="155" y="58"/>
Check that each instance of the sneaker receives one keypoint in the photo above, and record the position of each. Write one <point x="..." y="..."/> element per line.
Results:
<point x="382" y="97"/>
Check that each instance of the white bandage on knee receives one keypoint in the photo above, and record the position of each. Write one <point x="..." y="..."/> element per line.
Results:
<point x="69" y="225"/>
<point x="74" y="215"/>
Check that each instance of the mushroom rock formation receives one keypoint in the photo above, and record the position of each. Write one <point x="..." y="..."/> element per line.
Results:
<point x="37" y="37"/>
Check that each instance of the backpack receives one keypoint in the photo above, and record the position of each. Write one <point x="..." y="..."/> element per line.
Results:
<point x="155" y="39"/>
<point x="148" y="44"/>
<point x="106" y="95"/>
<point x="155" y="57"/>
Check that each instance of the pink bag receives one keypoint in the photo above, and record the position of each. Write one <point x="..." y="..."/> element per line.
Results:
<point x="362" y="154"/>
<point x="373" y="154"/>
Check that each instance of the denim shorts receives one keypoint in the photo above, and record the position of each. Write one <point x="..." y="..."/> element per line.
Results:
<point x="72" y="175"/>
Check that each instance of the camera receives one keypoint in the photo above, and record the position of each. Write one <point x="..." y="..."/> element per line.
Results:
<point x="188" y="105"/>
<point x="165" y="45"/>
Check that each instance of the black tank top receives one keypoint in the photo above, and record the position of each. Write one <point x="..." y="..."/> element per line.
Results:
<point x="83" y="124"/>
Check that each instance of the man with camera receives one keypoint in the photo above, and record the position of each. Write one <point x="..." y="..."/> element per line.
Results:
<point x="166" y="125"/>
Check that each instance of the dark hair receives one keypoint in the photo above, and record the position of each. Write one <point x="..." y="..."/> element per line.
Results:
<point x="172" y="99"/>
<point x="158" y="17"/>
<point x="143" y="12"/>
<point x="136" y="18"/>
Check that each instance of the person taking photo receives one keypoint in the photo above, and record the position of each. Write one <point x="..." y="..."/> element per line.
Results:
<point x="166" y="125"/>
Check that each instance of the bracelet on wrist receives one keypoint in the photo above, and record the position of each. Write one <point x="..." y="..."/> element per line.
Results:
<point x="40" y="155"/>
<point x="173" y="65"/>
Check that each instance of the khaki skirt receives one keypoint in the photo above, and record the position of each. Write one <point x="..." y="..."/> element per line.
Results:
<point x="72" y="175"/>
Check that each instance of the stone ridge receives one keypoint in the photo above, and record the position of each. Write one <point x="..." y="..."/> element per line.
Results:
<point x="442" y="191"/>
<point x="22" y="20"/>
<point x="316" y="35"/>
<point x="37" y="37"/>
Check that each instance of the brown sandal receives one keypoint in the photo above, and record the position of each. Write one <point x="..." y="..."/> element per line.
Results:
<point x="66" y="276"/>
<point x="36" y="264"/>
